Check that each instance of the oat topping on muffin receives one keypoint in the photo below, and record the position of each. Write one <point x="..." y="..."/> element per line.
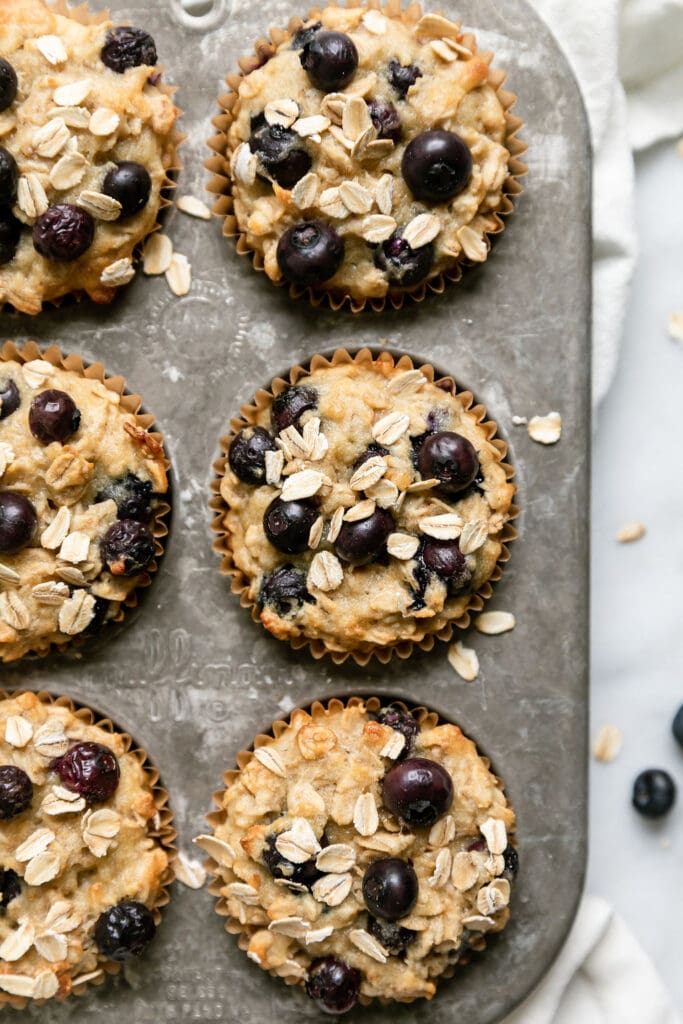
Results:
<point x="370" y="153"/>
<point x="363" y="852"/>
<point x="364" y="505"/>
<point x="86" y="142"/>
<point x="81" y="486"/>
<point x="82" y="863"/>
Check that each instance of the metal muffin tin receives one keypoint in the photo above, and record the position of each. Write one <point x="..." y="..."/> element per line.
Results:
<point x="193" y="679"/>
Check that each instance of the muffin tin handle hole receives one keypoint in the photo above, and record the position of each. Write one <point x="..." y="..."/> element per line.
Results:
<point x="199" y="15"/>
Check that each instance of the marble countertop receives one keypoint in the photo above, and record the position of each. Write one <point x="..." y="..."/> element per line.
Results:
<point x="637" y="589"/>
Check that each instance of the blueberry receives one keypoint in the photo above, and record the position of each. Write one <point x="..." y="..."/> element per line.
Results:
<point x="9" y="176"/>
<point x="18" y="521"/>
<point x="16" y="791"/>
<point x="304" y="35"/>
<point x="390" y="888"/>
<point x="400" y="721"/>
<point x="10" y="399"/>
<point x="418" y="790"/>
<point x="391" y="936"/>
<point x="8" y="84"/>
<point x="285" y="590"/>
<point x="133" y="497"/>
<point x="247" y="455"/>
<point x="365" y="540"/>
<point x="10" y="886"/>
<point x="89" y="769"/>
<point x="130" y="184"/>
<point x="280" y="151"/>
<point x="330" y="60"/>
<point x="63" y="233"/>
<point x="403" y="265"/>
<point x="100" y="616"/>
<point x="677" y="726"/>
<point x="10" y="233"/>
<point x="128" y="47"/>
<point x="446" y="560"/>
<point x="288" y="524"/>
<point x="386" y="119"/>
<point x="334" y="984"/>
<point x="124" y="931"/>
<point x="654" y="793"/>
<point x="289" y="406"/>
<point x="310" y="253"/>
<point x="127" y="547"/>
<point x="511" y="858"/>
<point x="436" y="166"/>
<point x="53" y="416"/>
<point x="371" y="452"/>
<point x="301" y="874"/>
<point x="449" y="458"/>
<point x="402" y="77"/>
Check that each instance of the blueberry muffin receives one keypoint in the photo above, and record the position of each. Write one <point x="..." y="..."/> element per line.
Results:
<point x="83" y="858"/>
<point x="362" y="851"/>
<point x="367" y="153"/>
<point x="83" y="487"/>
<point x="86" y="143"/>
<point x="363" y="506"/>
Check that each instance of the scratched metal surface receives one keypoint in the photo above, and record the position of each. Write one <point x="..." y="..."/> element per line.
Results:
<point x="194" y="679"/>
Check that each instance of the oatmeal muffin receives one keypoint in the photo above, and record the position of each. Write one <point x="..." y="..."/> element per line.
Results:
<point x="83" y="487"/>
<point x="86" y="143"/>
<point x="83" y="863"/>
<point x="362" y="851"/>
<point x="362" y="506"/>
<point x="366" y="153"/>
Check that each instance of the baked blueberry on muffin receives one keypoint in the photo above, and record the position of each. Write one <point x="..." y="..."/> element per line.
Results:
<point x="362" y="851"/>
<point x="368" y="153"/>
<point x="86" y="143"/>
<point x="82" y="488"/>
<point x="363" y="505"/>
<point x="83" y="863"/>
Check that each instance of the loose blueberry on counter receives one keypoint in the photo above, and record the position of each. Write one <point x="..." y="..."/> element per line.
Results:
<point x="304" y="35"/>
<point x="124" y="931"/>
<point x="511" y="857"/>
<point x="247" y="455"/>
<point x="449" y="458"/>
<point x="402" y="77"/>
<point x="403" y="265"/>
<point x="63" y="233"/>
<point x="301" y="874"/>
<point x="288" y="524"/>
<point x="391" y="936"/>
<point x="8" y="84"/>
<point x="53" y="416"/>
<point x="289" y="406"/>
<point x="330" y="60"/>
<point x="18" y="521"/>
<point x="310" y="253"/>
<point x="10" y="886"/>
<point x="89" y="769"/>
<point x="280" y="150"/>
<point x="390" y="888"/>
<point x="677" y="726"/>
<point x="285" y="590"/>
<point x="10" y="233"/>
<point x="16" y="791"/>
<point x="446" y="560"/>
<point x="400" y="721"/>
<point x="365" y="540"/>
<point x="654" y="793"/>
<point x="132" y="495"/>
<point x="386" y="120"/>
<point x="436" y="166"/>
<point x="418" y="790"/>
<point x="9" y="398"/>
<point x="127" y="547"/>
<point x="9" y="176"/>
<point x="130" y="184"/>
<point x="127" y="47"/>
<point x="334" y="984"/>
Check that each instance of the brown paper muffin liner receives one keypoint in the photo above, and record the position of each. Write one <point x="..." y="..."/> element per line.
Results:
<point x="129" y="404"/>
<point x="316" y="711"/>
<point x="107" y="293"/>
<point x="222" y="545"/>
<point x="163" y="831"/>
<point x="220" y="183"/>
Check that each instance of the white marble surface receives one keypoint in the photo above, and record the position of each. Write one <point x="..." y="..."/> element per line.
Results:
<point x="637" y="598"/>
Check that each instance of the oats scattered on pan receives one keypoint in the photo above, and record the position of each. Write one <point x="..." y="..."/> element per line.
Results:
<point x="676" y="325"/>
<point x="493" y="623"/>
<point x="545" y="429"/>
<point x="519" y="421"/>
<point x="194" y="207"/>
<point x="189" y="872"/>
<point x="464" y="661"/>
<point x="607" y="743"/>
<point x="630" y="532"/>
